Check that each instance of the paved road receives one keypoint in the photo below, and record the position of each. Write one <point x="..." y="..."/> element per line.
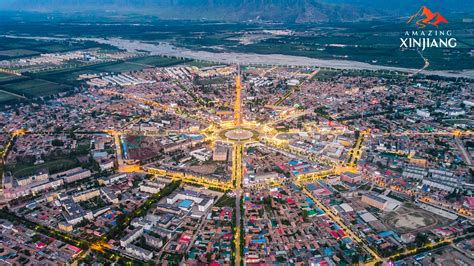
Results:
<point x="238" y="217"/>
<point x="237" y="170"/>
<point x="465" y="154"/>
<point x="338" y="220"/>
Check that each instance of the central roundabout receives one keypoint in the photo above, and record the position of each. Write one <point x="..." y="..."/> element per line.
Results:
<point x="238" y="134"/>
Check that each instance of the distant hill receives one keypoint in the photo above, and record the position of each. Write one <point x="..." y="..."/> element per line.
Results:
<point x="299" y="11"/>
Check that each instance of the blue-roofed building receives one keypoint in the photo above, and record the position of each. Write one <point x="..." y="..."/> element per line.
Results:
<point x="347" y="240"/>
<point x="328" y="251"/>
<point x="185" y="204"/>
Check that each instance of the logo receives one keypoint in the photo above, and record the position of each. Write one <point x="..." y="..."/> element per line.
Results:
<point x="424" y="37"/>
<point x="425" y="16"/>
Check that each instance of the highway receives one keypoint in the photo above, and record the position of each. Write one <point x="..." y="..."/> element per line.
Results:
<point x="237" y="174"/>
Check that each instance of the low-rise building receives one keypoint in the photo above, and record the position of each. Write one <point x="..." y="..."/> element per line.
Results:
<point x="374" y="201"/>
<point x="78" y="175"/>
<point x="139" y="252"/>
<point x="132" y="236"/>
<point x="151" y="187"/>
<point x="74" y="213"/>
<point x="153" y="241"/>
<point x="203" y="201"/>
<point x="32" y="179"/>
<point x="350" y="177"/>
<point x="220" y="153"/>
<point x="109" y="195"/>
<point x="86" y="195"/>
<point x="66" y="227"/>
<point x="107" y="180"/>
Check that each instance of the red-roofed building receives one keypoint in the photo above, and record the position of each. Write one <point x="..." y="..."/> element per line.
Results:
<point x="469" y="203"/>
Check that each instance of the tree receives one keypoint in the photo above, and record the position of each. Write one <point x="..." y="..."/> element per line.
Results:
<point x="57" y="143"/>
<point x="421" y="239"/>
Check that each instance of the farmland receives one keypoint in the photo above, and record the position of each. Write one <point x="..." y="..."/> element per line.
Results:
<point x="6" y="97"/>
<point x="34" y="88"/>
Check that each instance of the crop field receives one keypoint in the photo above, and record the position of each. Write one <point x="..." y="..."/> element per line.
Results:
<point x="67" y="76"/>
<point x="120" y="67"/>
<point x="157" y="61"/>
<point x="17" y="52"/>
<point x="58" y="80"/>
<point x="140" y="63"/>
<point x="7" y="98"/>
<point x="52" y="167"/>
<point x="20" y="47"/>
<point x="34" y="88"/>
<point x="7" y="77"/>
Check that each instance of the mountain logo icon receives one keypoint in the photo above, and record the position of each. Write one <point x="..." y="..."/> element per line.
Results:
<point x="425" y="16"/>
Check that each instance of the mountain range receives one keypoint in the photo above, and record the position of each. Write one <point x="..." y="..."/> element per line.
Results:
<point x="299" y="11"/>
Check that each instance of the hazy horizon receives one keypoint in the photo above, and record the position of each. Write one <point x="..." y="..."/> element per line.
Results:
<point x="244" y="10"/>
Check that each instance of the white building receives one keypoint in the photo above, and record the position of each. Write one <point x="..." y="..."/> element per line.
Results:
<point x="201" y="154"/>
<point x="139" y="252"/>
<point x="203" y="201"/>
<point x="151" y="187"/>
<point x="132" y="236"/>
<point x="423" y="113"/>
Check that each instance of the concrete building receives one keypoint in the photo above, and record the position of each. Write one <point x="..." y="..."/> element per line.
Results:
<point x="32" y="179"/>
<point x="374" y="201"/>
<point x="151" y="187"/>
<point x="66" y="227"/>
<point x="86" y="195"/>
<point x="139" y="252"/>
<point x="107" y="164"/>
<point x="111" y="179"/>
<point x="153" y="241"/>
<point x="75" y="176"/>
<point x="132" y="236"/>
<point x="442" y="179"/>
<point x="46" y="185"/>
<point x="109" y="195"/>
<point x="201" y="154"/>
<point x="351" y="178"/>
<point x="203" y="202"/>
<point x="423" y="113"/>
<point x="74" y="213"/>
<point x="220" y="153"/>
<point x="415" y="172"/>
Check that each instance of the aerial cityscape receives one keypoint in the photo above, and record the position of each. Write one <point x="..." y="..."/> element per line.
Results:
<point x="236" y="132"/>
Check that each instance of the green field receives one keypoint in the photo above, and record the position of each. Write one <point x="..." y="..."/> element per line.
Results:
<point x="7" y="98"/>
<point x="7" y="77"/>
<point x="52" y="167"/>
<point x="200" y="64"/>
<point x="53" y="81"/>
<point x="69" y="75"/>
<point x="17" y="52"/>
<point x="46" y="46"/>
<point x="121" y="67"/>
<point x="157" y="61"/>
<point x="140" y="63"/>
<point x="34" y="88"/>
